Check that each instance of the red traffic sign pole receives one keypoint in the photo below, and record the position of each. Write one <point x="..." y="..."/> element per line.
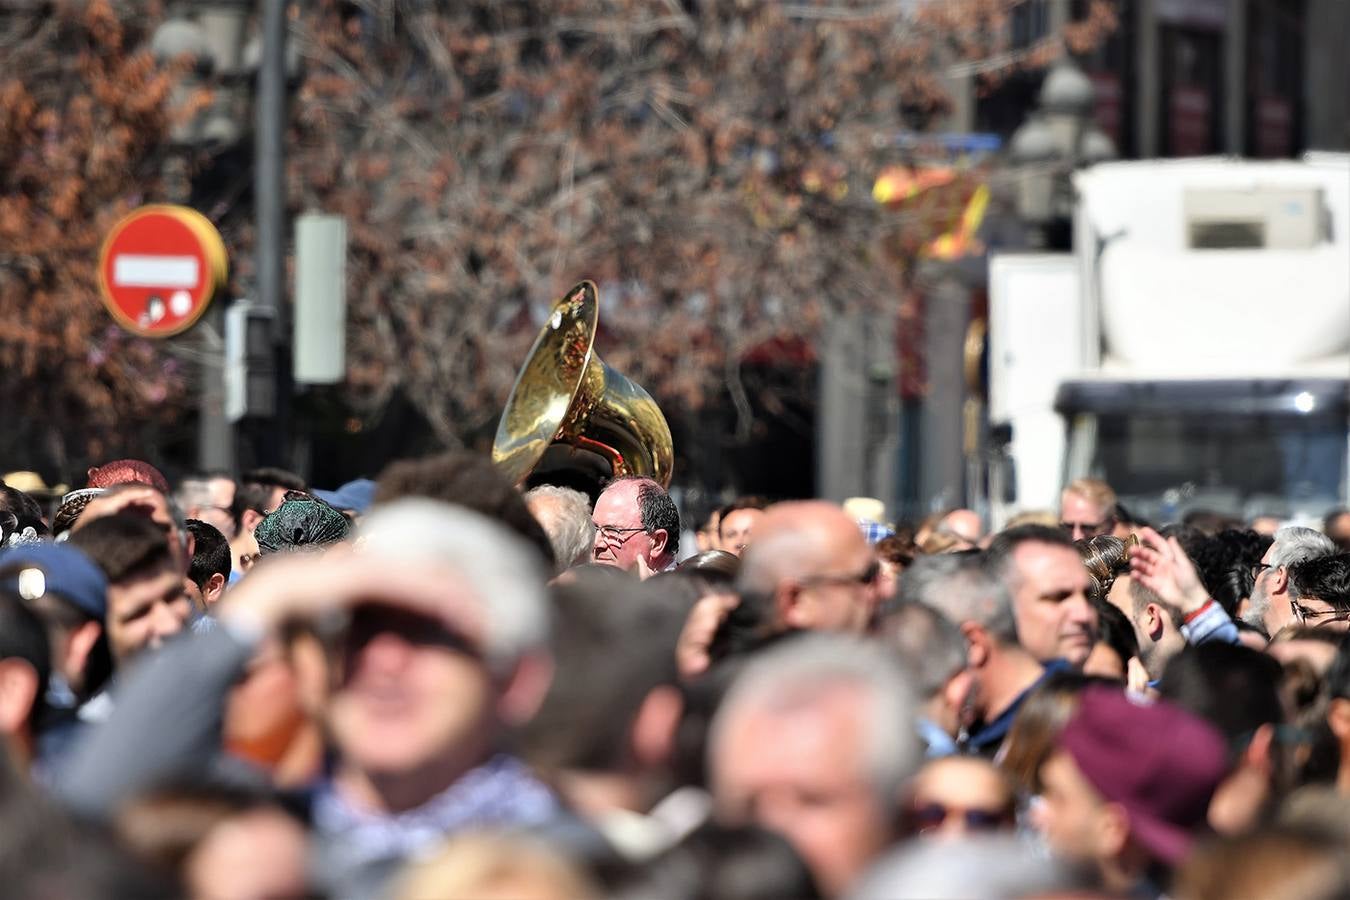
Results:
<point x="159" y="268"/>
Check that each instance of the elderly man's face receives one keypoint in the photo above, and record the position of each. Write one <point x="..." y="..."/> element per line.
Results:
<point x="802" y="772"/>
<point x="1054" y="618"/>
<point x="619" y="537"/>
<point x="411" y="696"/>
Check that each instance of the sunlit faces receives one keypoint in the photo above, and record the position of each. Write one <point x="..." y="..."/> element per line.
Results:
<point x="802" y="772"/>
<point x="1074" y="817"/>
<point x="1054" y="618"/>
<point x="1082" y="518"/>
<point x="620" y="538"/>
<point x="737" y="528"/>
<point x="144" y="609"/>
<point x="411" y="695"/>
<point x="959" y="795"/>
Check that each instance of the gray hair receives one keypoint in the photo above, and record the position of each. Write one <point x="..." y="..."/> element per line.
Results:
<point x="991" y="865"/>
<point x="502" y="570"/>
<point x="565" y="516"/>
<point x="800" y="673"/>
<point x="1295" y="545"/>
<point x="963" y="589"/>
<point x="930" y="646"/>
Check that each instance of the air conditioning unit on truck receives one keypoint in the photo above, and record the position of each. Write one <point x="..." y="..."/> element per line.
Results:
<point x="1193" y="350"/>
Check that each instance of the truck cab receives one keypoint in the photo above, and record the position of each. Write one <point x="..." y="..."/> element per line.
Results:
<point x="1193" y="350"/>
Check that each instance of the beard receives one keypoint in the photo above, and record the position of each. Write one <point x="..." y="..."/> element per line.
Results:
<point x="1257" y="607"/>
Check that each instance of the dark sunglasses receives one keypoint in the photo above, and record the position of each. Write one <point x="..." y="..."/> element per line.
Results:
<point x="931" y="816"/>
<point x="867" y="576"/>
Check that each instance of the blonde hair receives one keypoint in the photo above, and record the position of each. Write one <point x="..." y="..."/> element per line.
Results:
<point x="1094" y="491"/>
<point x="498" y="865"/>
<point x="1034" y="517"/>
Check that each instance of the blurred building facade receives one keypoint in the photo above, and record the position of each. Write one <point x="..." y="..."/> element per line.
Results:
<point x="1254" y="78"/>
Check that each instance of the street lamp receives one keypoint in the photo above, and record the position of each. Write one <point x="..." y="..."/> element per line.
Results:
<point x="1058" y="137"/>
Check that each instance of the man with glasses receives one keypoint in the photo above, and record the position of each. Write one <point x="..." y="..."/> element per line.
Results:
<point x="1087" y="508"/>
<point x="1319" y="591"/>
<point x="1270" y="606"/>
<point x="809" y="568"/>
<point x="637" y="527"/>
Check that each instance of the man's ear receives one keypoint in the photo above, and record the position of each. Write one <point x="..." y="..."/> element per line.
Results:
<point x="653" y="730"/>
<point x="1260" y="750"/>
<point x="80" y="644"/>
<point x="658" y="540"/>
<point x="214" y="587"/>
<point x="1338" y="719"/>
<point x="249" y="520"/>
<point x="787" y="603"/>
<point x="977" y="644"/>
<point x="1111" y="831"/>
<point x="525" y="688"/>
<point x="1154" y="624"/>
<point x="1279" y="580"/>
<point x="18" y="693"/>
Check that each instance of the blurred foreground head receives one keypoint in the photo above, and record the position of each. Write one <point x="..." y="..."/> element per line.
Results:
<point x="421" y="693"/>
<point x="815" y="740"/>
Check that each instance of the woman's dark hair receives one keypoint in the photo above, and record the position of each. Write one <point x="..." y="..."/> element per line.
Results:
<point x="1116" y="631"/>
<point x="716" y="566"/>
<point x="1106" y="558"/>
<point x="722" y="862"/>
<point x="17" y="512"/>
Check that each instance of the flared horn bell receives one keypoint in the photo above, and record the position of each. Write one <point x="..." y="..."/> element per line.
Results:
<point x="572" y="416"/>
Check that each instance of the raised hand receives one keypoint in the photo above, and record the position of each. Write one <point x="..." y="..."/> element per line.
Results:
<point x="1165" y="569"/>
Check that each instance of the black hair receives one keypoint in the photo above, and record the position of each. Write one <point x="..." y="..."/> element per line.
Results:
<point x="998" y="558"/>
<point x="613" y="643"/>
<point x="1325" y="578"/>
<point x="468" y="480"/>
<point x="1234" y="688"/>
<point x="1116" y="631"/>
<point x="19" y="511"/>
<point x="656" y="509"/>
<point x="122" y="545"/>
<point x="210" y="553"/>
<point x="24" y="636"/>
<point x="726" y="862"/>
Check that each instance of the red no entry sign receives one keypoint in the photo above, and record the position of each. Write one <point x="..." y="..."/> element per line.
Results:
<point x="159" y="268"/>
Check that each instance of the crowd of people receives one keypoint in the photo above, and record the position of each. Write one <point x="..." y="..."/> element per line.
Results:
<point x="438" y="684"/>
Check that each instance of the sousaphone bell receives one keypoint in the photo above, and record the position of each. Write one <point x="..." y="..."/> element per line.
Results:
<point x="573" y="420"/>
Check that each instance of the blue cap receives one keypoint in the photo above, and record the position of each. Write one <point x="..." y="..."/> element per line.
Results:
<point x="66" y="571"/>
<point x="356" y="496"/>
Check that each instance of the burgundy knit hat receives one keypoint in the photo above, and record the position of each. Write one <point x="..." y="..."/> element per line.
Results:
<point x="1157" y="761"/>
<point x="127" y="471"/>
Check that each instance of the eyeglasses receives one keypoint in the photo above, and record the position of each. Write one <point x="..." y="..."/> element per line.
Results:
<point x="1316" y="618"/>
<point x="932" y="816"/>
<point x="613" y="534"/>
<point x="865" y="577"/>
<point x="1089" y="529"/>
<point x="1258" y="568"/>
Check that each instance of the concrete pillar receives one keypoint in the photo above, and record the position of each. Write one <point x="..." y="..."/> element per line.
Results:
<point x="840" y="452"/>
<point x="942" y="469"/>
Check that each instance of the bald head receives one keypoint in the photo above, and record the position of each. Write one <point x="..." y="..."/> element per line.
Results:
<point x="811" y="567"/>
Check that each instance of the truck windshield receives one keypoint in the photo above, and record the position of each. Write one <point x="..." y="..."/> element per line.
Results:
<point x="1238" y="464"/>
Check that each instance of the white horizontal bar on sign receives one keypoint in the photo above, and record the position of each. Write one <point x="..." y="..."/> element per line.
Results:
<point x="135" y="270"/>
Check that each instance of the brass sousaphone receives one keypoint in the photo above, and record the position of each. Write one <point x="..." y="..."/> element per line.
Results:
<point x="570" y="418"/>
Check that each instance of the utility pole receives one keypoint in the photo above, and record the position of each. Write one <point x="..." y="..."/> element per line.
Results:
<point x="269" y="202"/>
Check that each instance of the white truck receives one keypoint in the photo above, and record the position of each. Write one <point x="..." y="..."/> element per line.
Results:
<point x="1193" y="350"/>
